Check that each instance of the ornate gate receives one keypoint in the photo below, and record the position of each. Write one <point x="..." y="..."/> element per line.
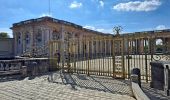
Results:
<point x="105" y="55"/>
<point x="91" y="56"/>
<point x="118" y="54"/>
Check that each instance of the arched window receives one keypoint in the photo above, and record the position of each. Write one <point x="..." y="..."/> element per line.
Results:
<point x="159" y="46"/>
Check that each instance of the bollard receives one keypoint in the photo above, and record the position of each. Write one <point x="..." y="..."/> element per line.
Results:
<point x="166" y="77"/>
<point x="136" y="71"/>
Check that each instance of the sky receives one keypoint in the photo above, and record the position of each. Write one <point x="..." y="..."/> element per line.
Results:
<point x="99" y="15"/>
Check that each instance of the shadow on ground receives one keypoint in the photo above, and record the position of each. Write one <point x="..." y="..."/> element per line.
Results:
<point x="100" y="83"/>
<point x="154" y="94"/>
<point x="18" y="77"/>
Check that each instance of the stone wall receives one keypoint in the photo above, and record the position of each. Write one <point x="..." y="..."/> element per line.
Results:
<point x="6" y="48"/>
<point x="33" y="66"/>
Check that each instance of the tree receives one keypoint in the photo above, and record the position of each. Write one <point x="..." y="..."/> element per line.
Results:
<point x="4" y="35"/>
<point x="117" y="29"/>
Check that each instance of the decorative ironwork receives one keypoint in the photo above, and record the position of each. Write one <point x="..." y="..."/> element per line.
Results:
<point x="161" y="57"/>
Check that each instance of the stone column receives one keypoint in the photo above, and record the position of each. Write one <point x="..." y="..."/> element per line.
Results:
<point x="15" y="43"/>
<point x="24" y="43"/>
<point x="168" y="46"/>
<point x="31" y="40"/>
<point x="142" y="45"/>
<point x="164" y="44"/>
<point x="24" y="71"/>
<point x="21" y="43"/>
<point x="166" y="80"/>
<point x="131" y="45"/>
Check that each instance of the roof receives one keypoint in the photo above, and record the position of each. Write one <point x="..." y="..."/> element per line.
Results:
<point x="55" y="21"/>
<point x="147" y="32"/>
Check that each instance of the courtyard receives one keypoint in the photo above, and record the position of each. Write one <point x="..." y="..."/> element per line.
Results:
<point x="63" y="86"/>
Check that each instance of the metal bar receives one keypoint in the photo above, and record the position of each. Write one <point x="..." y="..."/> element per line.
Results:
<point x="88" y="57"/>
<point x="103" y="54"/>
<point x="75" y="50"/>
<point x="113" y="57"/>
<point x="128" y="57"/>
<point x="146" y="65"/>
<point x="123" y="60"/>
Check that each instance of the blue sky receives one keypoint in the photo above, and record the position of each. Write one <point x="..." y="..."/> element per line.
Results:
<point x="100" y="15"/>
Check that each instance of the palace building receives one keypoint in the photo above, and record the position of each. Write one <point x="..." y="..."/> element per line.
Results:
<point x="38" y="32"/>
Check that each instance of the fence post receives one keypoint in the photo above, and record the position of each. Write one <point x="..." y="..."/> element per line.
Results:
<point x="166" y="78"/>
<point x="123" y="59"/>
<point x="146" y="65"/>
<point x="113" y="57"/>
<point x="88" y="57"/>
<point x="128" y="57"/>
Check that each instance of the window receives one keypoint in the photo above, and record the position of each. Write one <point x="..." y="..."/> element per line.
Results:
<point x="39" y="36"/>
<point x="27" y="38"/>
<point x="19" y="38"/>
<point x="56" y="35"/>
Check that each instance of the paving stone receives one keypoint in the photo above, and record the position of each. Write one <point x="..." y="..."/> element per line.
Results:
<point x="39" y="88"/>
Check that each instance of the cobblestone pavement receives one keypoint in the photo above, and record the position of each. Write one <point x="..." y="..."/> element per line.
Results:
<point x="41" y="88"/>
<point x="101" y="83"/>
<point x="154" y="94"/>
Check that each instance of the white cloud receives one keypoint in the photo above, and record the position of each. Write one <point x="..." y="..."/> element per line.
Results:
<point x="75" y="4"/>
<point x="46" y="14"/>
<point x="7" y="30"/>
<point x="101" y="3"/>
<point x="160" y="27"/>
<point x="98" y="29"/>
<point x="90" y="27"/>
<point x="146" y="5"/>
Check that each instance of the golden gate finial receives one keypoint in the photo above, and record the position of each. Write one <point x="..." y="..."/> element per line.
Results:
<point x="117" y="29"/>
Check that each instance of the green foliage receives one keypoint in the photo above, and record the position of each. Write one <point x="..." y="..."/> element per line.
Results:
<point x="4" y="35"/>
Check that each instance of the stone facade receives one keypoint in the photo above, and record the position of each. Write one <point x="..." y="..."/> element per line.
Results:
<point x="38" y="32"/>
<point x="26" y="67"/>
<point x="140" y="42"/>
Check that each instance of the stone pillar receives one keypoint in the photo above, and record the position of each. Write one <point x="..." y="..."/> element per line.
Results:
<point x="152" y="45"/>
<point x="131" y="42"/>
<point x="168" y="46"/>
<point x="15" y="43"/>
<point x="164" y="44"/>
<point x="24" y="71"/>
<point x="21" y="43"/>
<point x="131" y="46"/>
<point x="34" y="69"/>
<point x="24" y="43"/>
<point x="31" y="40"/>
<point x="142" y="45"/>
<point x="167" y="80"/>
<point x="136" y="46"/>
